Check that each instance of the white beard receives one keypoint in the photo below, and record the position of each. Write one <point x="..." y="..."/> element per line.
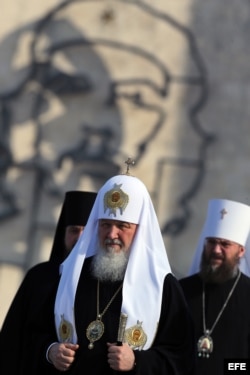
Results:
<point x="109" y="266"/>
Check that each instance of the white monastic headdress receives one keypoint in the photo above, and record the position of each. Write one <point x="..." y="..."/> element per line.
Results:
<point x="228" y="220"/>
<point x="124" y="198"/>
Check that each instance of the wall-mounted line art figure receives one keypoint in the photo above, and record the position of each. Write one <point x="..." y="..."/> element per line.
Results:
<point x="80" y="111"/>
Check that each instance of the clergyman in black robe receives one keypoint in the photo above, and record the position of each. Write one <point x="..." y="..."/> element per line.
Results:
<point x="119" y="265"/>
<point x="218" y="292"/>
<point x="40" y="282"/>
<point x="231" y="335"/>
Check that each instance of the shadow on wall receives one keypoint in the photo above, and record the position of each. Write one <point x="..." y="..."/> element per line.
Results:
<point x="89" y="95"/>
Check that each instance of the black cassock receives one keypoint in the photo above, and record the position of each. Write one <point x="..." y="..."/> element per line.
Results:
<point x="38" y="285"/>
<point x="172" y="352"/>
<point x="231" y="335"/>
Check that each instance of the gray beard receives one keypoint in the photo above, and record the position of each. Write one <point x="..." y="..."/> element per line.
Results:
<point x="109" y="266"/>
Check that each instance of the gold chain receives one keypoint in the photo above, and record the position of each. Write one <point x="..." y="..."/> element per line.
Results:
<point x="100" y="315"/>
<point x="96" y="328"/>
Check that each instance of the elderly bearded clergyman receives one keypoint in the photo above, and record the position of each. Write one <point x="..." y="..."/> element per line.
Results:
<point x="119" y="265"/>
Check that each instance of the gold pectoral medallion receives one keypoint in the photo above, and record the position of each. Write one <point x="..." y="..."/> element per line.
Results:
<point x="205" y="343"/>
<point x="65" y="330"/>
<point x="94" y="332"/>
<point x="135" y="336"/>
<point x="95" y="329"/>
<point x="205" y="346"/>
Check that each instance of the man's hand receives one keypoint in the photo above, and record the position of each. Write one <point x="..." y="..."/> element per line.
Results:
<point x="120" y="358"/>
<point x="62" y="355"/>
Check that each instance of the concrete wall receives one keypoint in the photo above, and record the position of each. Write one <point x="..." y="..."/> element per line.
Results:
<point x="85" y="85"/>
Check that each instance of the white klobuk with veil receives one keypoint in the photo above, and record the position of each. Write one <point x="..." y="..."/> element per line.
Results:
<point x="229" y="220"/>
<point x="148" y="263"/>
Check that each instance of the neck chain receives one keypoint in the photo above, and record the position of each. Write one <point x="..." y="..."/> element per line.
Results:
<point x="205" y="343"/>
<point x="95" y="329"/>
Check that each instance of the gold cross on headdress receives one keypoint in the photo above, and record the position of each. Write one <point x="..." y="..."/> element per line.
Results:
<point x="129" y="162"/>
<point x="223" y="213"/>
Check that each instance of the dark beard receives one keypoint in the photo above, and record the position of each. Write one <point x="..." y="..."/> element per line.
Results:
<point x="220" y="274"/>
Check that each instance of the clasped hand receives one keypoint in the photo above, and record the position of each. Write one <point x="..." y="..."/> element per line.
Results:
<point x="120" y="358"/>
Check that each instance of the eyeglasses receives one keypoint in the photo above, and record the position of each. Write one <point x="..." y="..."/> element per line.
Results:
<point x="224" y="244"/>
